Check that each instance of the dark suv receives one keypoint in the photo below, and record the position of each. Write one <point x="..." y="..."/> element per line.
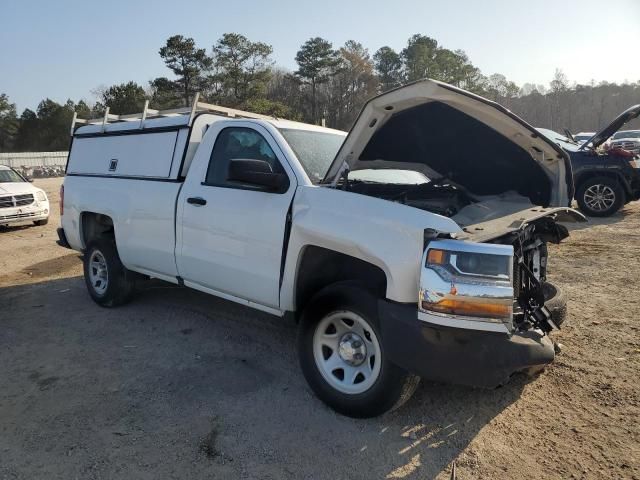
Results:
<point x="604" y="181"/>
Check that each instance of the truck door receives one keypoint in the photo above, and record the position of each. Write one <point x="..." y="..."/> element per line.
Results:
<point x="230" y="233"/>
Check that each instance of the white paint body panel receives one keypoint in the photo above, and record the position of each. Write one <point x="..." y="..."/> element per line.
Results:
<point x="386" y="234"/>
<point x="142" y="213"/>
<point x="94" y="155"/>
<point x="233" y="244"/>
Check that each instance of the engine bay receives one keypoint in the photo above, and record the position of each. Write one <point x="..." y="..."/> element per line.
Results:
<point x="441" y="198"/>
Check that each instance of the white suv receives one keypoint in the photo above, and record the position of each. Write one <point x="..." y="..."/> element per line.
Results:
<point x="20" y="201"/>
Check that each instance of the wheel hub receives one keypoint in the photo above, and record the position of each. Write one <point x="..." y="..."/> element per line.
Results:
<point x="98" y="272"/>
<point x="352" y="349"/>
<point x="599" y="197"/>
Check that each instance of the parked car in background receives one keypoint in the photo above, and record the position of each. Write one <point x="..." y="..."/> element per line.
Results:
<point x="400" y="254"/>
<point x="627" y="140"/>
<point x="604" y="181"/>
<point x="582" y="137"/>
<point x="20" y="201"/>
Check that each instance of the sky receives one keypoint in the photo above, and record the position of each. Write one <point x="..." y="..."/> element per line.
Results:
<point x="66" y="48"/>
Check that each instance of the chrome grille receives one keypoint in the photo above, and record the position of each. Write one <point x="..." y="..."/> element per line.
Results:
<point x="19" y="215"/>
<point x="6" y="202"/>
<point x="626" y="145"/>
<point x="10" y="201"/>
<point x="26" y="199"/>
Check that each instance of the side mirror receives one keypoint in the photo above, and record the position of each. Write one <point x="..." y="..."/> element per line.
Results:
<point x="257" y="173"/>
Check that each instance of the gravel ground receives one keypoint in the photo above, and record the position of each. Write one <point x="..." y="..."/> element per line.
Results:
<point x="178" y="384"/>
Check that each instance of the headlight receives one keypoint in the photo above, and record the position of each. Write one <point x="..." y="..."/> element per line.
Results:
<point x="40" y="196"/>
<point x="470" y="263"/>
<point x="467" y="285"/>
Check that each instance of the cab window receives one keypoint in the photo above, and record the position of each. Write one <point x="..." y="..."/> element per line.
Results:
<point x="238" y="143"/>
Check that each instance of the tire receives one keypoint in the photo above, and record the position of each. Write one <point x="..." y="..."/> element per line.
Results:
<point x="109" y="283"/>
<point x="41" y="222"/>
<point x="346" y="314"/>
<point x="600" y="196"/>
<point x="555" y="302"/>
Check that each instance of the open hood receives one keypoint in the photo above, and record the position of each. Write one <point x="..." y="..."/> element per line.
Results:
<point x="445" y="132"/>
<point x="617" y="123"/>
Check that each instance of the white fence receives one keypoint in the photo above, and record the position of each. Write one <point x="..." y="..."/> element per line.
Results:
<point x="34" y="159"/>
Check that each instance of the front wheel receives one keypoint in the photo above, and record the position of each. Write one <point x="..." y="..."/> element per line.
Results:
<point x="39" y="223"/>
<point x="600" y="196"/>
<point x="343" y="358"/>
<point x="555" y="302"/>
<point x="109" y="283"/>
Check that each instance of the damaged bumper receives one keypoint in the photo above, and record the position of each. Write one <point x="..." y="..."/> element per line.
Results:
<point x="454" y="355"/>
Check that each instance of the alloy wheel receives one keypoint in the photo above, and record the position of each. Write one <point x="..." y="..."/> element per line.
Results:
<point x="599" y="197"/>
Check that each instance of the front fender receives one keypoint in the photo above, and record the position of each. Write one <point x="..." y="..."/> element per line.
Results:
<point x="385" y="234"/>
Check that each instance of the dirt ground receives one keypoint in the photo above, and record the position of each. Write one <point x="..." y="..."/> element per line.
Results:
<point x="178" y="384"/>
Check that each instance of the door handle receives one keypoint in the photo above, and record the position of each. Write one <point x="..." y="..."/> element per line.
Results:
<point x="196" y="201"/>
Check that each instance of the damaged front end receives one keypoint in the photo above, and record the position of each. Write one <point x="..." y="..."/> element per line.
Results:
<point x="530" y="274"/>
<point x="482" y="306"/>
<point x="496" y="286"/>
<point x="482" y="312"/>
<point x="480" y="320"/>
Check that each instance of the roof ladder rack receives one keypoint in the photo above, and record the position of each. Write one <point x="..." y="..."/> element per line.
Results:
<point x="196" y="107"/>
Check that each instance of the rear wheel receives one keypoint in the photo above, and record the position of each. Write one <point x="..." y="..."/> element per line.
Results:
<point x="343" y="358"/>
<point x="109" y="283"/>
<point x="600" y="196"/>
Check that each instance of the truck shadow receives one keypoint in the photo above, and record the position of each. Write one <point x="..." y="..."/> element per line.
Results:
<point x="173" y="360"/>
<point x="60" y="266"/>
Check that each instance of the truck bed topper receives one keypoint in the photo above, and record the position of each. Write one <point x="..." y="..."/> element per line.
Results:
<point x="170" y="138"/>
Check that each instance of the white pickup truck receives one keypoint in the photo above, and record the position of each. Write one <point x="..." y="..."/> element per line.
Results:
<point x="402" y="252"/>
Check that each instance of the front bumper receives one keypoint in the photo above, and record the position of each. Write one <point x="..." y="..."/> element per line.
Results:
<point x="27" y="213"/>
<point x="453" y="355"/>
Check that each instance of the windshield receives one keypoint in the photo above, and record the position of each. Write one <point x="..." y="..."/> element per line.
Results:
<point x="389" y="176"/>
<point x="315" y="150"/>
<point x="582" y="137"/>
<point x="627" y="134"/>
<point x="9" y="176"/>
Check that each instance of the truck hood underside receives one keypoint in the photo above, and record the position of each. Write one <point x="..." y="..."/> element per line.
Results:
<point x="460" y="148"/>
<point x="442" y="131"/>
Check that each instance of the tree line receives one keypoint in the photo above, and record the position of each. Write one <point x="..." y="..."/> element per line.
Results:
<point x="329" y="87"/>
